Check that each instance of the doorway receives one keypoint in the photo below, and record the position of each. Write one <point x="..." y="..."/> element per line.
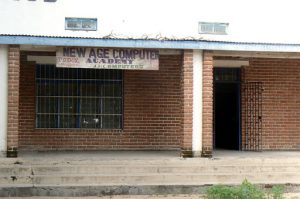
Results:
<point x="227" y="108"/>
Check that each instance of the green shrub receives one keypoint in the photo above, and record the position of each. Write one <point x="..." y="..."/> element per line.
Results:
<point x="245" y="191"/>
<point x="277" y="192"/>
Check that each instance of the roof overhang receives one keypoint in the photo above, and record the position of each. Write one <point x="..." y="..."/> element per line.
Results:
<point x="145" y="43"/>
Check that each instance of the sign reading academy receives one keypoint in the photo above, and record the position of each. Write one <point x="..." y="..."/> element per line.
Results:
<point x="107" y="58"/>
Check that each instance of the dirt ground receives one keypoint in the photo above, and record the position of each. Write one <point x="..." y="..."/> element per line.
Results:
<point x="121" y="197"/>
<point x="287" y="196"/>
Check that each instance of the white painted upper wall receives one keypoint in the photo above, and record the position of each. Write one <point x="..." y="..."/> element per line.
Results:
<point x="275" y="21"/>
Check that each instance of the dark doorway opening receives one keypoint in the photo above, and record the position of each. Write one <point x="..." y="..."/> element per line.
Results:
<point x="227" y="108"/>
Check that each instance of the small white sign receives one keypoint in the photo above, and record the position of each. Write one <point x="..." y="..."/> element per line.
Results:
<point x="107" y="58"/>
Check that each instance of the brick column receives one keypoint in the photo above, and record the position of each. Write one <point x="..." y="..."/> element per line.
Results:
<point x="13" y="100"/>
<point x="187" y="103"/>
<point x="207" y="128"/>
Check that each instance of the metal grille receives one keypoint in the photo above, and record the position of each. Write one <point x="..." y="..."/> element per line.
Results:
<point x="253" y="116"/>
<point x="78" y="98"/>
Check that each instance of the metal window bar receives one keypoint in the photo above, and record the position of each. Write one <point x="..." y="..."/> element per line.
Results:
<point x="75" y="98"/>
<point x="253" y="116"/>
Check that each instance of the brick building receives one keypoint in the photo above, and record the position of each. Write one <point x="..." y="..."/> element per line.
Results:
<point x="203" y="95"/>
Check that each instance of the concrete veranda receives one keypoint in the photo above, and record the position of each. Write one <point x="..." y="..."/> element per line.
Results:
<point x="142" y="174"/>
<point x="144" y="155"/>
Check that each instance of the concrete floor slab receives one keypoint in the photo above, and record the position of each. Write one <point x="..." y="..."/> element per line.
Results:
<point x="72" y="173"/>
<point x="254" y="154"/>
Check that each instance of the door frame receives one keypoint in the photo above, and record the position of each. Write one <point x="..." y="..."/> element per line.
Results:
<point x="237" y="81"/>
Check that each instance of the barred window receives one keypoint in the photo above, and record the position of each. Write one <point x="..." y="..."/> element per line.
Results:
<point x="78" y="98"/>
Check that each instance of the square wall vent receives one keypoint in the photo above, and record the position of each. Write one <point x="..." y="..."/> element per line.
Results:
<point x="87" y="24"/>
<point x="213" y="28"/>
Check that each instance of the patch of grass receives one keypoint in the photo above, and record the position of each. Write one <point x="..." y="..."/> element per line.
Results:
<point x="244" y="191"/>
<point x="277" y="192"/>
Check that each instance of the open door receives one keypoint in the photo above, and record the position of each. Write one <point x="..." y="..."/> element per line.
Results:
<point x="227" y="108"/>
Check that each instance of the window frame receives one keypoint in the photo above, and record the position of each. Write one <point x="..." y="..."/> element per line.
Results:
<point x="79" y="97"/>
<point x="81" y="21"/>
<point x="214" y="26"/>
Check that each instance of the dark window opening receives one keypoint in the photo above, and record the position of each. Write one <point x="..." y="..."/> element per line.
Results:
<point x="78" y="98"/>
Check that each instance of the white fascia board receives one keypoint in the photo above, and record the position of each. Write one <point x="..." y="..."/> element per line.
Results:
<point x="140" y="43"/>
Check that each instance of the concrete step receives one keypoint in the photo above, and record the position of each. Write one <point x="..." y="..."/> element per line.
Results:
<point x="117" y="169"/>
<point x="173" y="171"/>
<point x="139" y="169"/>
<point x="178" y="162"/>
<point x="170" y="161"/>
<point x="15" y="171"/>
<point x="197" y="162"/>
<point x="150" y="179"/>
<point x="80" y="176"/>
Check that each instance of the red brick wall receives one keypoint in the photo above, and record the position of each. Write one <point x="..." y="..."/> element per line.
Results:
<point x="13" y="97"/>
<point x="207" y="118"/>
<point x="152" y="114"/>
<point x="281" y="101"/>
<point x="187" y="103"/>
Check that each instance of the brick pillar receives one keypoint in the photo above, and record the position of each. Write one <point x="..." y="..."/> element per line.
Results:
<point x="207" y="128"/>
<point x="13" y="100"/>
<point x="187" y="103"/>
